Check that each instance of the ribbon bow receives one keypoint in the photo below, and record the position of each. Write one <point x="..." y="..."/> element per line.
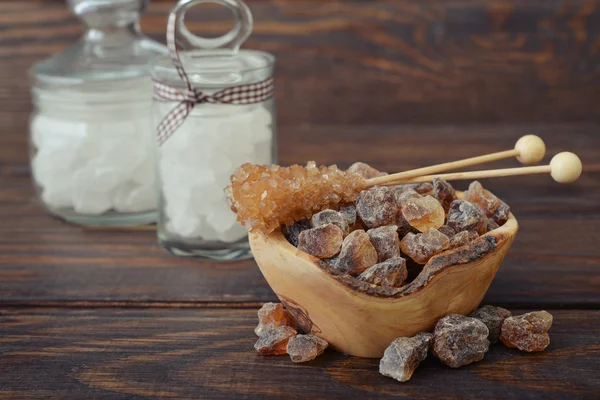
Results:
<point x="190" y="96"/>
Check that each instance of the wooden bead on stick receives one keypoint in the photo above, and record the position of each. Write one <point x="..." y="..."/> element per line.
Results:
<point x="531" y="149"/>
<point x="565" y="167"/>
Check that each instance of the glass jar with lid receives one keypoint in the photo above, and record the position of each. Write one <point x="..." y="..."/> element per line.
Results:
<point x="91" y="134"/>
<point x="214" y="111"/>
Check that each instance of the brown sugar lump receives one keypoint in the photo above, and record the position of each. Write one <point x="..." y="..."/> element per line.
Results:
<point x="273" y="315"/>
<point x="466" y="216"/>
<point x="348" y="211"/>
<point x="486" y="199"/>
<point x="446" y="230"/>
<point x="403" y="356"/>
<point x="423" y="213"/>
<point x="377" y="207"/>
<point x="274" y="341"/>
<point x="491" y="225"/>
<point x="389" y="273"/>
<point x="460" y="340"/>
<point x="303" y="348"/>
<point x="527" y="332"/>
<point x="501" y="214"/>
<point x="421" y="247"/>
<point x="462" y="238"/>
<point x="292" y="232"/>
<point x="330" y="217"/>
<point x="444" y="193"/>
<point x="365" y="170"/>
<point x="403" y="193"/>
<point x="493" y="318"/>
<point x="357" y="254"/>
<point x="322" y="242"/>
<point x="386" y="242"/>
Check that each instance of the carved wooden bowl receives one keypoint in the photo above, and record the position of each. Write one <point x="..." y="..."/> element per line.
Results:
<point x="362" y="320"/>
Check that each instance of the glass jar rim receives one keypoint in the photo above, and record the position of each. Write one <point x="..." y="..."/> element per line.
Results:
<point x="215" y="68"/>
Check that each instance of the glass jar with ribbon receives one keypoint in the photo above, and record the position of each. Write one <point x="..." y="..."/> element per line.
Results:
<point x="214" y="110"/>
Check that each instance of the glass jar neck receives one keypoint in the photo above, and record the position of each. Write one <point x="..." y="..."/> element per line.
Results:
<point x="113" y="35"/>
<point x="109" y="15"/>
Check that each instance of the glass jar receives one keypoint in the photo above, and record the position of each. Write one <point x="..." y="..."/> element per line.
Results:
<point x="91" y="136"/>
<point x="196" y="159"/>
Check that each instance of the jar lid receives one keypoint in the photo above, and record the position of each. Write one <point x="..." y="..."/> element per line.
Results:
<point x="112" y="47"/>
<point x="212" y="62"/>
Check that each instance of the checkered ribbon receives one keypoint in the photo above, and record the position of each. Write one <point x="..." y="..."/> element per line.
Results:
<point x="189" y="97"/>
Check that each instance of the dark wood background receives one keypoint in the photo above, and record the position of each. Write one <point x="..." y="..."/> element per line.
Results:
<point x="398" y="84"/>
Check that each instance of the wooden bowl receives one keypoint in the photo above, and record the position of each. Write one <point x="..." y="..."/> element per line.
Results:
<point x="361" y="319"/>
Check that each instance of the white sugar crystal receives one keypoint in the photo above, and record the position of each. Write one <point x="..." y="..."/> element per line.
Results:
<point x="132" y="198"/>
<point x="197" y="161"/>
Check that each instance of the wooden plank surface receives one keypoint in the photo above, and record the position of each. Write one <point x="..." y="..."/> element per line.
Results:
<point x="553" y="263"/>
<point x="112" y="353"/>
<point x="378" y="61"/>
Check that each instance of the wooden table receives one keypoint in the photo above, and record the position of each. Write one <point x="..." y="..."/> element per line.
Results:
<point x="106" y="314"/>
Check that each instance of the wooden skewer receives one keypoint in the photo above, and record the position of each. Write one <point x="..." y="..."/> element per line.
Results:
<point x="564" y="167"/>
<point x="529" y="150"/>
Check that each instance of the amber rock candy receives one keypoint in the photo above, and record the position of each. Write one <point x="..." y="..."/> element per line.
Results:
<point x="444" y="193"/>
<point x="462" y="238"/>
<point x="274" y="341"/>
<point x="386" y="242"/>
<point x="389" y="273"/>
<point x="491" y="225"/>
<point x="403" y="356"/>
<point x="266" y="197"/>
<point x="466" y="216"/>
<point x="365" y="170"/>
<point x="527" y="332"/>
<point x="292" y="232"/>
<point x="377" y="207"/>
<point x="303" y="348"/>
<point x="446" y="230"/>
<point x="423" y="213"/>
<point x="492" y="317"/>
<point x="421" y="247"/>
<point x="460" y="340"/>
<point x="348" y="211"/>
<point x="401" y="194"/>
<point x="501" y="213"/>
<point x="357" y="253"/>
<point x="486" y="199"/>
<point x="322" y="242"/>
<point x="330" y="217"/>
<point x="273" y="315"/>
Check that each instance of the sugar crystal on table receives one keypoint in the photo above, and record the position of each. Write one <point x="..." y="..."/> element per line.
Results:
<point x="377" y="206"/>
<point x="466" y="216"/>
<point x="264" y="197"/>
<point x="323" y="242"/>
<point x="330" y="216"/>
<point x="421" y="247"/>
<point x="365" y="170"/>
<point x="389" y="273"/>
<point x="386" y="242"/>
<point x="443" y="192"/>
<point x="460" y="340"/>
<point x="527" y="332"/>
<point x="402" y="193"/>
<point x="303" y="348"/>
<point x="357" y="254"/>
<point x="403" y="356"/>
<point x="423" y="213"/>
<point x="273" y="315"/>
<point x="493" y="318"/>
<point x="274" y="341"/>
